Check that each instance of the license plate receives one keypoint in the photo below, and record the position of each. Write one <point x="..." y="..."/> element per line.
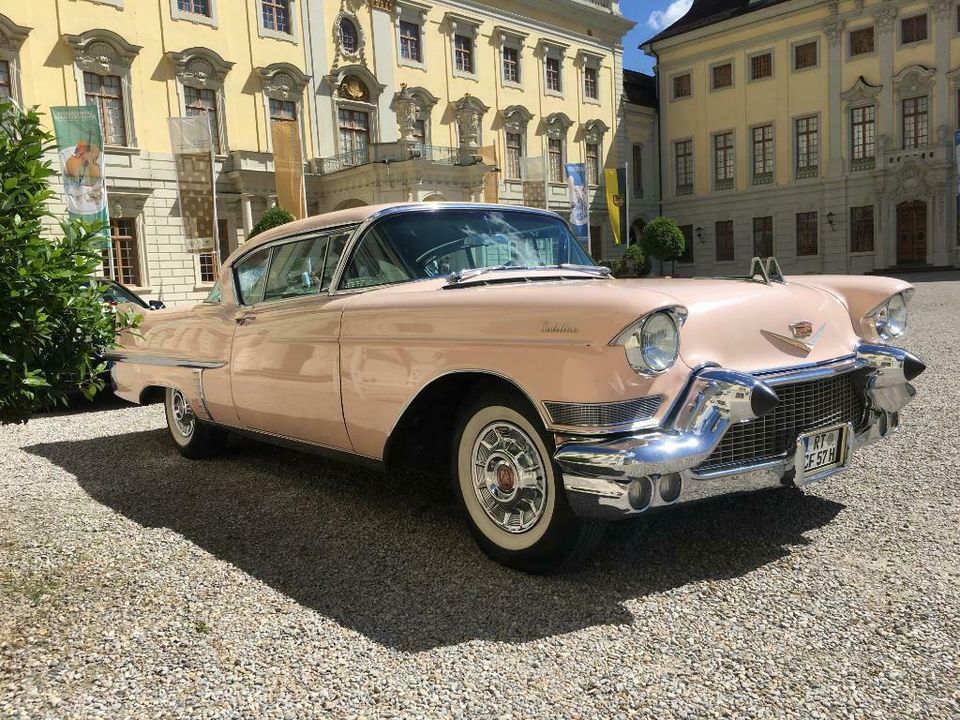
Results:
<point x="821" y="452"/>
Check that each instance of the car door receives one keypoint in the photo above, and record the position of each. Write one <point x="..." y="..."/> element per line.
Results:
<point x="285" y="362"/>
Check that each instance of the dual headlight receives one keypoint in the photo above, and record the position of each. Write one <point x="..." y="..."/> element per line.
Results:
<point x="889" y="320"/>
<point x="652" y="343"/>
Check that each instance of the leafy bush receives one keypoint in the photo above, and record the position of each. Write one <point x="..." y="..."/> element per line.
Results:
<point x="633" y="264"/>
<point x="661" y="238"/>
<point x="273" y="217"/>
<point x="54" y="320"/>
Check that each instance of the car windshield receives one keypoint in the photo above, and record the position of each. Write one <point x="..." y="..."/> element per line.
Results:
<point x="420" y="245"/>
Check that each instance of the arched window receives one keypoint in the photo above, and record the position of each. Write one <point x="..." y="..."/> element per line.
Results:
<point x="348" y="34"/>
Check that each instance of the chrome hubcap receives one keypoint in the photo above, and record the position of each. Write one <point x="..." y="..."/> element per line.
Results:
<point x="183" y="416"/>
<point x="509" y="478"/>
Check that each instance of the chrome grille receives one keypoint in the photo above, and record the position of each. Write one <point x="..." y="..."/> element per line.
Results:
<point x="803" y="406"/>
<point x="596" y="415"/>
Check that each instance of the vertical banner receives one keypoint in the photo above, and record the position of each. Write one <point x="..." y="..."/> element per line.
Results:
<point x="288" y="168"/>
<point x="579" y="206"/>
<point x="491" y="183"/>
<point x="193" y="158"/>
<point x="616" y="181"/>
<point x="82" y="163"/>
<point x="533" y="172"/>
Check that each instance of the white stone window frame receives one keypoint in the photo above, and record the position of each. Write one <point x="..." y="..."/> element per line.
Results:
<point x="793" y="54"/>
<point x="516" y="121"/>
<point x="586" y="59"/>
<point x="713" y="160"/>
<point x="748" y="71"/>
<point x="675" y="180"/>
<point x="354" y="56"/>
<point x="556" y="127"/>
<point x="854" y="28"/>
<point x="103" y="52"/>
<point x="795" y="147"/>
<point x="861" y="95"/>
<point x="468" y="27"/>
<point x="911" y="83"/>
<point x="265" y="32"/>
<point x="415" y="14"/>
<point x="133" y="205"/>
<point x="671" y="85"/>
<point x="772" y="124"/>
<point x="733" y="74"/>
<point x="201" y="285"/>
<point x="515" y="40"/>
<point x="11" y="40"/>
<point x="594" y="132"/>
<point x="553" y="50"/>
<point x="907" y="16"/>
<point x="274" y="84"/>
<point x="370" y="106"/>
<point x="177" y="14"/>
<point x="203" y="69"/>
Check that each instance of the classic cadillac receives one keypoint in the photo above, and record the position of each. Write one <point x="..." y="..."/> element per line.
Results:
<point x="481" y="341"/>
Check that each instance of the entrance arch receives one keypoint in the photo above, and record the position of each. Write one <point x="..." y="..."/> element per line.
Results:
<point x="912" y="232"/>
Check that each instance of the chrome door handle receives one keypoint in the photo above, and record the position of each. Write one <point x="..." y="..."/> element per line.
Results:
<point x="242" y="319"/>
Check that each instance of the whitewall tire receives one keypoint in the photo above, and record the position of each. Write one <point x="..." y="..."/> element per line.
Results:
<point x="194" y="438"/>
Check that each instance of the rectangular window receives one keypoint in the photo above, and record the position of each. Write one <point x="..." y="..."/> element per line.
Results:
<point x="763" y="155"/>
<point x="808" y="147"/>
<point x="593" y="164"/>
<point x="124" y="265"/>
<point x="591" y="85"/>
<point x="210" y="262"/>
<point x="913" y="29"/>
<point x="863" y="137"/>
<point x="553" y="75"/>
<point x="514" y="153"/>
<point x="106" y="92"/>
<point x="761" y="66"/>
<point x="283" y="110"/>
<point x="681" y="86"/>
<point x="511" y="65"/>
<point x="861" y="229"/>
<point x="763" y="236"/>
<point x="722" y="76"/>
<point x="687" y="256"/>
<point x="723" y="163"/>
<point x="6" y="86"/>
<point x="410" y="41"/>
<point x="724" y="234"/>
<point x="683" y="153"/>
<point x="637" y="169"/>
<point x="915" y="123"/>
<point x="201" y="101"/>
<point x="194" y="7"/>
<point x="420" y="131"/>
<point x="806" y="233"/>
<point x="354" y="126"/>
<point x="555" y="153"/>
<point x="276" y="15"/>
<point x="463" y="53"/>
<point x="805" y="55"/>
<point x="596" y="242"/>
<point x="861" y="41"/>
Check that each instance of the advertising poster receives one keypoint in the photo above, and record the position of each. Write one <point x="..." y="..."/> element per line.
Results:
<point x="192" y="146"/>
<point x="579" y="206"/>
<point x="82" y="162"/>
<point x="533" y="171"/>
<point x="288" y="166"/>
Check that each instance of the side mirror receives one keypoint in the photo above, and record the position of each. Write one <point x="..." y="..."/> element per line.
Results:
<point x="156" y="304"/>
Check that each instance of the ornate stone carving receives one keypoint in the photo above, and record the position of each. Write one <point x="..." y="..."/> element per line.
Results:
<point x="593" y="131"/>
<point x="943" y="9"/>
<point x="515" y="119"/>
<point x="834" y="6"/>
<point x="354" y="83"/>
<point x="913" y="80"/>
<point x="100" y="50"/>
<point x="11" y="34"/>
<point x="834" y="31"/>
<point x="385" y="5"/>
<point x="353" y="88"/>
<point x="468" y="112"/>
<point x="556" y="125"/>
<point x="283" y="81"/>
<point x="910" y="180"/>
<point x="199" y="67"/>
<point x="405" y="106"/>
<point x="861" y="92"/>
<point x="358" y="54"/>
<point x="885" y="18"/>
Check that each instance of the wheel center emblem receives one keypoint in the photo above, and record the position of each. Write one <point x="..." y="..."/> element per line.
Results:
<point x="505" y="478"/>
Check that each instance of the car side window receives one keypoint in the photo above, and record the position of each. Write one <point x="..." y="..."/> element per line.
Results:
<point x="216" y="294"/>
<point x="251" y="275"/>
<point x="374" y="263"/>
<point x="297" y="269"/>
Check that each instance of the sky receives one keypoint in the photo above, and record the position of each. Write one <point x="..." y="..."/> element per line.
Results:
<point x="651" y="16"/>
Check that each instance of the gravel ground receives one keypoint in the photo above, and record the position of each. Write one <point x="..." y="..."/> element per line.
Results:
<point x="135" y="583"/>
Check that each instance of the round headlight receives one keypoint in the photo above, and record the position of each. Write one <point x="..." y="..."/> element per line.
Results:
<point x="653" y="345"/>
<point x="892" y="319"/>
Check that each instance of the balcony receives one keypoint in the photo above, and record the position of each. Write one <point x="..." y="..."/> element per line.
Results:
<point x="864" y="163"/>
<point x="806" y="172"/>
<point x="391" y="153"/>
<point x="763" y="178"/>
<point x="722" y="184"/>
<point x="684" y="189"/>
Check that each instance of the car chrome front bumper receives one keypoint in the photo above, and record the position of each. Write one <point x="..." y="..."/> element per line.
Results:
<point x="628" y="475"/>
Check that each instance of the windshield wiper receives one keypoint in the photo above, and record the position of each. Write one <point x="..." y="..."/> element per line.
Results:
<point x="598" y="270"/>
<point x="462" y="275"/>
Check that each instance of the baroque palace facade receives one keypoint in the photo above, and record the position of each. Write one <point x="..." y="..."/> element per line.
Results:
<point x="394" y="100"/>
<point x="818" y="132"/>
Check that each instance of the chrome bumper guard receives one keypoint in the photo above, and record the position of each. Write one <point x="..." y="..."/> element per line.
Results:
<point x="629" y="475"/>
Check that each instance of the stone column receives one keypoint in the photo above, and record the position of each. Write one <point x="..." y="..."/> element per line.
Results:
<point x="944" y="236"/>
<point x="247" y="202"/>
<point x="383" y="21"/>
<point x="885" y="241"/>
<point x="834" y="31"/>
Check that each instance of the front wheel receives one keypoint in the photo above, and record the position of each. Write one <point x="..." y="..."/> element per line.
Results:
<point x="194" y="438"/>
<point x="511" y="490"/>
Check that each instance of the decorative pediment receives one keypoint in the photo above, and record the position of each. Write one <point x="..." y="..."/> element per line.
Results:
<point x="11" y="34"/>
<point x="468" y="111"/>
<point x="354" y="83"/>
<point x="556" y="125"/>
<point x="953" y="77"/>
<point x="515" y="119"/>
<point x="283" y="81"/>
<point x="861" y="93"/>
<point x="420" y="95"/>
<point x="199" y="67"/>
<point x="913" y="80"/>
<point x="594" y="130"/>
<point x="100" y="50"/>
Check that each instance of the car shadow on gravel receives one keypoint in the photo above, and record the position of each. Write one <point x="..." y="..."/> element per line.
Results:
<point x="392" y="560"/>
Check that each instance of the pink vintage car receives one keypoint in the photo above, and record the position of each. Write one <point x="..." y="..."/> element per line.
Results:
<point x="482" y="341"/>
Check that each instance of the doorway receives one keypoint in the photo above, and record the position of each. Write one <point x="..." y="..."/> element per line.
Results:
<point x="912" y="233"/>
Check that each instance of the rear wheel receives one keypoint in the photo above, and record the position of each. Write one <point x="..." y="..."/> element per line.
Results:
<point x="194" y="438"/>
<point x="511" y="490"/>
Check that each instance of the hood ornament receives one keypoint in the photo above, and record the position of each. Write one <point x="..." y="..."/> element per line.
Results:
<point x="801" y="335"/>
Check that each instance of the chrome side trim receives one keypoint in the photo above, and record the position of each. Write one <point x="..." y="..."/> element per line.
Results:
<point x="163" y="361"/>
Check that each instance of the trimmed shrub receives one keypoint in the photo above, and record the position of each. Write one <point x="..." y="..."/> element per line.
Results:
<point x="273" y="217"/>
<point x="661" y="238"/>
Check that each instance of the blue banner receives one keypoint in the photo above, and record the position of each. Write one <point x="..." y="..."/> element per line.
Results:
<point x="579" y="206"/>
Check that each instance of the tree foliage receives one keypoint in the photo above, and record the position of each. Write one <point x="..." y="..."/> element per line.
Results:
<point x="55" y="323"/>
<point x="273" y="217"/>
<point x="661" y="238"/>
<point x="633" y="264"/>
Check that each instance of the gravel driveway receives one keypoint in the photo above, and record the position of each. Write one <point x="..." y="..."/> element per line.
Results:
<point x="135" y="583"/>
